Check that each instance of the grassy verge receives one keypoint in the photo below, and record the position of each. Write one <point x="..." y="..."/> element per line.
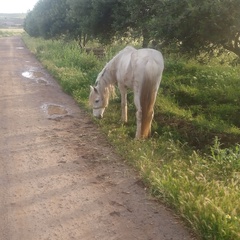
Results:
<point x="8" y="32"/>
<point x="192" y="161"/>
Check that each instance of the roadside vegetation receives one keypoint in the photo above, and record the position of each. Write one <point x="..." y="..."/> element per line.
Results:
<point x="192" y="160"/>
<point x="10" y="32"/>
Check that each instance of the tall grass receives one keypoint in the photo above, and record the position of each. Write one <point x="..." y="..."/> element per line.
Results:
<point x="192" y="160"/>
<point x="4" y="32"/>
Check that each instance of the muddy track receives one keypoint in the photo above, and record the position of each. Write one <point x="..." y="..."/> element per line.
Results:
<point x="59" y="177"/>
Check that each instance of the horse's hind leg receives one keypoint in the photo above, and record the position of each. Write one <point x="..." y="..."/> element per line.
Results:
<point x="138" y="117"/>
<point x="143" y="128"/>
<point x="123" y="103"/>
<point x="147" y="114"/>
<point x="139" y="124"/>
<point x="146" y="126"/>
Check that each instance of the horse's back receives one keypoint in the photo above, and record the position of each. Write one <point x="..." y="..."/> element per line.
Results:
<point x="146" y="57"/>
<point x="142" y="55"/>
<point x="148" y="65"/>
<point x="123" y="65"/>
<point x="133" y="65"/>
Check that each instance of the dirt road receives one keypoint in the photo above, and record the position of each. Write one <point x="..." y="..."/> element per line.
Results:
<point x="59" y="178"/>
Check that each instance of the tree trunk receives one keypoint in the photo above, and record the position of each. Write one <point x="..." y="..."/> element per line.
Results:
<point x="234" y="46"/>
<point x="146" y="38"/>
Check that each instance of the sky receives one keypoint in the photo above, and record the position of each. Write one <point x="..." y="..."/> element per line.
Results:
<point x="16" y="6"/>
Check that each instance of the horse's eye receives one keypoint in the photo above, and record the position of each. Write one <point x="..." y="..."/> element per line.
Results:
<point x="97" y="101"/>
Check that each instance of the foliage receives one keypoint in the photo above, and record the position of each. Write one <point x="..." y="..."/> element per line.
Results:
<point x="190" y="25"/>
<point x="48" y="19"/>
<point x="183" y="163"/>
<point x="137" y="18"/>
<point x="80" y="16"/>
<point x="202" y="25"/>
<point x="94" y="18"/>
<point x="31" y="25"/>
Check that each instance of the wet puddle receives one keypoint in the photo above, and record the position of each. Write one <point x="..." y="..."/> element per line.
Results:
<point x="54" y="110"/>
<point x="39" y="77"/>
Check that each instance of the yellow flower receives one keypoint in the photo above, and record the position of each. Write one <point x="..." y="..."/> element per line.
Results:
<point x="228" y="216"/>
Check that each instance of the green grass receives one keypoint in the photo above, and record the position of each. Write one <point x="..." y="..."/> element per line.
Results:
<point x="192" y="160"/>
<point x="10" y="32"/>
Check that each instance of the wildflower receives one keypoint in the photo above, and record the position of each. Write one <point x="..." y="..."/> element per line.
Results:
<point x="228" y="217"/>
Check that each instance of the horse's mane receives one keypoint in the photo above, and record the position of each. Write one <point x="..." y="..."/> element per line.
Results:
<point x="106" y="89"/>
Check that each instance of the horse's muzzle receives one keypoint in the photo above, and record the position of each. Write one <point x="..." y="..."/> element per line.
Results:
<point x="100" y="117"/>
<point x="98" y="113"/>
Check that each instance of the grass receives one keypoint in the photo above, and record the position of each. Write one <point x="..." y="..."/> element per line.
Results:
<point x="8" y="32"/>
<point x="206" y="103"/>
<point x="192" y="160"/>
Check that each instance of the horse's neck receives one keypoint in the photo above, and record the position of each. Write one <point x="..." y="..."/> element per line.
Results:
<point x="109" y="77"/>
<point x="108" y="74"/>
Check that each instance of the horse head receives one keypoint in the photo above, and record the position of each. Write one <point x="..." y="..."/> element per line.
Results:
<point x="97" y="102"/>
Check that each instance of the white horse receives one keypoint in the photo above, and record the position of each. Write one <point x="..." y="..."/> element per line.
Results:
<point x="140" y="70"/>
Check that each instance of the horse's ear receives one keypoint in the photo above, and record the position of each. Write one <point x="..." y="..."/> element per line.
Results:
<point x="93" y="89"/>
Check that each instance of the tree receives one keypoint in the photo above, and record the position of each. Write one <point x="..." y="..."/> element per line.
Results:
<point x="136" y="17"/>
<point x="47" y="19"/>
<point x="30" y="25"/>
<point x="79" y="15"/>
<point x="192" y="25"/>
<point x="94" y="17"/>
<point x="201" y="25"/>
<point x="103" y="19"/>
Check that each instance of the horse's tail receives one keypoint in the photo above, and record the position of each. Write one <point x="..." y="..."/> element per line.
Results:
<point x="150" y="85"/>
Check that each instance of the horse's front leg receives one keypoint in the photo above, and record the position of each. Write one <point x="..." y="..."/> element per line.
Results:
<point x="124" y="104"/>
